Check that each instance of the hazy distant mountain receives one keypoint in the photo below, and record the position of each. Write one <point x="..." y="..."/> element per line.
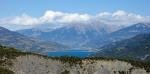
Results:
<point x="14" y="39"/>
<point x="137" y="47"/>
<point x="124" y="33"/>
<point x="131" y="31"/>
<point x="90" y="35"/>
<point x="76" y="34"/>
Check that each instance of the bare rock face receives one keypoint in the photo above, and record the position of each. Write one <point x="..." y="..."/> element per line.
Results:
<point x="33" y="64"/>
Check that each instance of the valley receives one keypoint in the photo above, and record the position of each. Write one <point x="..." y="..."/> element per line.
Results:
<point x="74" y="37"/>
<point x="15" y="62"/>
<point x="75" y="53"/>
<point x="62" y="41"/>
<point x="125" y="51"/>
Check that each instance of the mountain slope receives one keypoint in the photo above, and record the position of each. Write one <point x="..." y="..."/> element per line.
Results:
<point x="131" y="31"/>
<point x="124" y="33"/>
<point x="137" y="47"/>
<point x="14" y="39"/>
<point x="87" y="35"/>
<point x="75" y="35"/>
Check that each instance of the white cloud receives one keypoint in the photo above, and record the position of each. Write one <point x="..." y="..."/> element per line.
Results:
<point x="68" y="18"/>
<point x="104" y="14"/>
<point x="50" y="16"/>
<point x="119" y="13"/>
<point x="24" y="20"/>
<point x="117" y="18"/>
<point x="121" y="18"/>
<point x="20" y="20"/>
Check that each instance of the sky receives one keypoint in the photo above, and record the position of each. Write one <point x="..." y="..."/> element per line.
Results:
<point x="48" y="10"/>
<point x="38" y="7"/>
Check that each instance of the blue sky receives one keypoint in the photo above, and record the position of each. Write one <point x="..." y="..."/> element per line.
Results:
<point x="38" y="7"/>
<point x="23" y="14"/>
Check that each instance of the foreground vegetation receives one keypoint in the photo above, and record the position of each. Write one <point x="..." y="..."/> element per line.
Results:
<point x="11" y="53"/>
<point x="136" y="63"/>
<point x="6" y="71"/>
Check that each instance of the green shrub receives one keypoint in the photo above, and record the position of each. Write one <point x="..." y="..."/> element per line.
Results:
<point x="6" y="71"/>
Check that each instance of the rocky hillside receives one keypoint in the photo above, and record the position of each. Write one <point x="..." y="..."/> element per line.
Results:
<point x="31" y="64"/>
<point x="16" y="62"/>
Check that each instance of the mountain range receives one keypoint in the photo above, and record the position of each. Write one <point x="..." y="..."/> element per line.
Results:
<point x="121" y="34"/>
<point x="131" y="41"/>
<point x="75" y="35"/>
<point x="17" y="40"/>
<point x="137" y="47"/>
<point x="81" y="35"/>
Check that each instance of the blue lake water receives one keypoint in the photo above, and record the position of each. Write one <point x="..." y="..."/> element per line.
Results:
<point x="77" y="53"/>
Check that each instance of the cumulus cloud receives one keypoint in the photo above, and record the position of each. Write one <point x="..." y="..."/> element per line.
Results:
<point x="50" y="16"/>
<point x="68" y="18"/>
<point x="116" y="18"/>
<point x="121" y="18"/>
<point x="20" y="20"/>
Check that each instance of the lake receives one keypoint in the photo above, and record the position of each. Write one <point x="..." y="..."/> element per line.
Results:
<point x="77" y="53"/>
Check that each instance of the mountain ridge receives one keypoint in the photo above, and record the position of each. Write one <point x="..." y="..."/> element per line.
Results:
<point x="14" y="39"/>
<point x="67" y="35"/>
<point x="121" y="34"/>
<point x="136" y="47"/>
<point x="88" y="37"/>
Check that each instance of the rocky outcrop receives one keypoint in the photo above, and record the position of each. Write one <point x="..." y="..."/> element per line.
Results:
<point x="34" y="64"/>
